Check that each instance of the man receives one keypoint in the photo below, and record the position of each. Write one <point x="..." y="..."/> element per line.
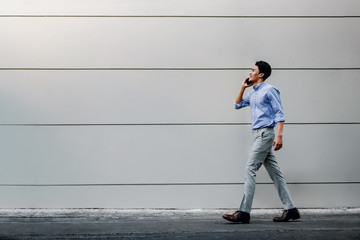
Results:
<point x="266" y="112"/>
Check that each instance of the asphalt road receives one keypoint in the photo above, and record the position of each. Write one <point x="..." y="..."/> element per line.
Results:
<point x="174" y="224"/>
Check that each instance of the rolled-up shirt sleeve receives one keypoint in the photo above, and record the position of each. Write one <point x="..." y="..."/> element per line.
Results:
<point x="244" y="103"/>
<point x="275" y="102"/>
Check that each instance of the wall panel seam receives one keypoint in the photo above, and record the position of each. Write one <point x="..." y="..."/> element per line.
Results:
<point x="172" y="16"/>
<point x="157" y="124"/>
<point x="167" y="69"/>
<point x="166" y="184"/>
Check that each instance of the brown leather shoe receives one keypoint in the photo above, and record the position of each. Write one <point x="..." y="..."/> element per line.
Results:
<point x="291" y="214"/>
<point x="238" y="217"/>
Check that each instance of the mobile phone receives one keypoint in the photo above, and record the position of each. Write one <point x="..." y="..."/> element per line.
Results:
<point x="248" y="82"/>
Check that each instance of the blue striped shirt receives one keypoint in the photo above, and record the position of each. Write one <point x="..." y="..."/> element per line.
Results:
<point x="265" y="105"/>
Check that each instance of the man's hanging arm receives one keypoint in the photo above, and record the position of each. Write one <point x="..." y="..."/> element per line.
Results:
<point x="278" y="142"/>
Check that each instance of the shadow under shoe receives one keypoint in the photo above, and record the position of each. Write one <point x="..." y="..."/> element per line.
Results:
<point x="291" y="214"/>
<point x="238" y="217"/>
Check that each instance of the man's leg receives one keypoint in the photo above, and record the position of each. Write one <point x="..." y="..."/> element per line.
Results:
<point x="277" y="177"/>
<point x="263" y="140"/>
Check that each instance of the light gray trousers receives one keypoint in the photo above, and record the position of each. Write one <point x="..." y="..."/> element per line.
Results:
<point x="262" y="153"/>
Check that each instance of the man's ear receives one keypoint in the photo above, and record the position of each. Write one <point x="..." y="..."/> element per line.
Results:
<point x="261" y="75"/>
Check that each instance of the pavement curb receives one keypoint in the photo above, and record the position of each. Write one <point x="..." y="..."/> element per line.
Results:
<point x="111" y="213"/>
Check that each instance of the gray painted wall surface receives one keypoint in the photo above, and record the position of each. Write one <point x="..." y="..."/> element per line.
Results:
<point x="129" y="104"/>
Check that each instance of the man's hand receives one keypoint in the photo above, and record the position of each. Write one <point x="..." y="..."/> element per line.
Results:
<point x="277" y="144"/>
<point x="239" y="97"/>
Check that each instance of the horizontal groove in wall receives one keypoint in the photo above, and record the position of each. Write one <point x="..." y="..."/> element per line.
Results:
<point x="164" y="69"/>
<point x="170" y="16"/>
<point x="156" y="124"/>
<point x="164" y="184"/>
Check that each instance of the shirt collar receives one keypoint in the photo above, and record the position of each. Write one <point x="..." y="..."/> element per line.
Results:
<point x="259" y="86"/>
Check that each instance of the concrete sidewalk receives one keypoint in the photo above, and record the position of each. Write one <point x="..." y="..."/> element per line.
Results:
<point x="174" y="224"/>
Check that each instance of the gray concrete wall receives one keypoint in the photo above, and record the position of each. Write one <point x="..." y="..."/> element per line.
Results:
<point x="129" y="104"/>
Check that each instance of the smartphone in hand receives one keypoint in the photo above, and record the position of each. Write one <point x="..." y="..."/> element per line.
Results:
<point x="248" y="82"/>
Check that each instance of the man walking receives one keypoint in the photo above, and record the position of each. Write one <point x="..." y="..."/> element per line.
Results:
<point x="266" y="112"/>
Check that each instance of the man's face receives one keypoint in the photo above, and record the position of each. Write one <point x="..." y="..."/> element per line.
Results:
<point x="254" y="75"/>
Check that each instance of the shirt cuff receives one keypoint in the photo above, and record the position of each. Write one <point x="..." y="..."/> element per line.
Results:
<point x="279" y="119"/>
<point x="237" y="105"/>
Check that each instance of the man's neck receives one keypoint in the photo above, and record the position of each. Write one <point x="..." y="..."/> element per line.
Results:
<point x="259" y="81"/>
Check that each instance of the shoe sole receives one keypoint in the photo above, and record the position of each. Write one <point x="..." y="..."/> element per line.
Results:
<point x="235" y="221"/>
<point x="294" y="218"/>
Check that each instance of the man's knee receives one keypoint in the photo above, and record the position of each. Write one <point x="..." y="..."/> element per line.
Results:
<point x="252" y="167"/>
